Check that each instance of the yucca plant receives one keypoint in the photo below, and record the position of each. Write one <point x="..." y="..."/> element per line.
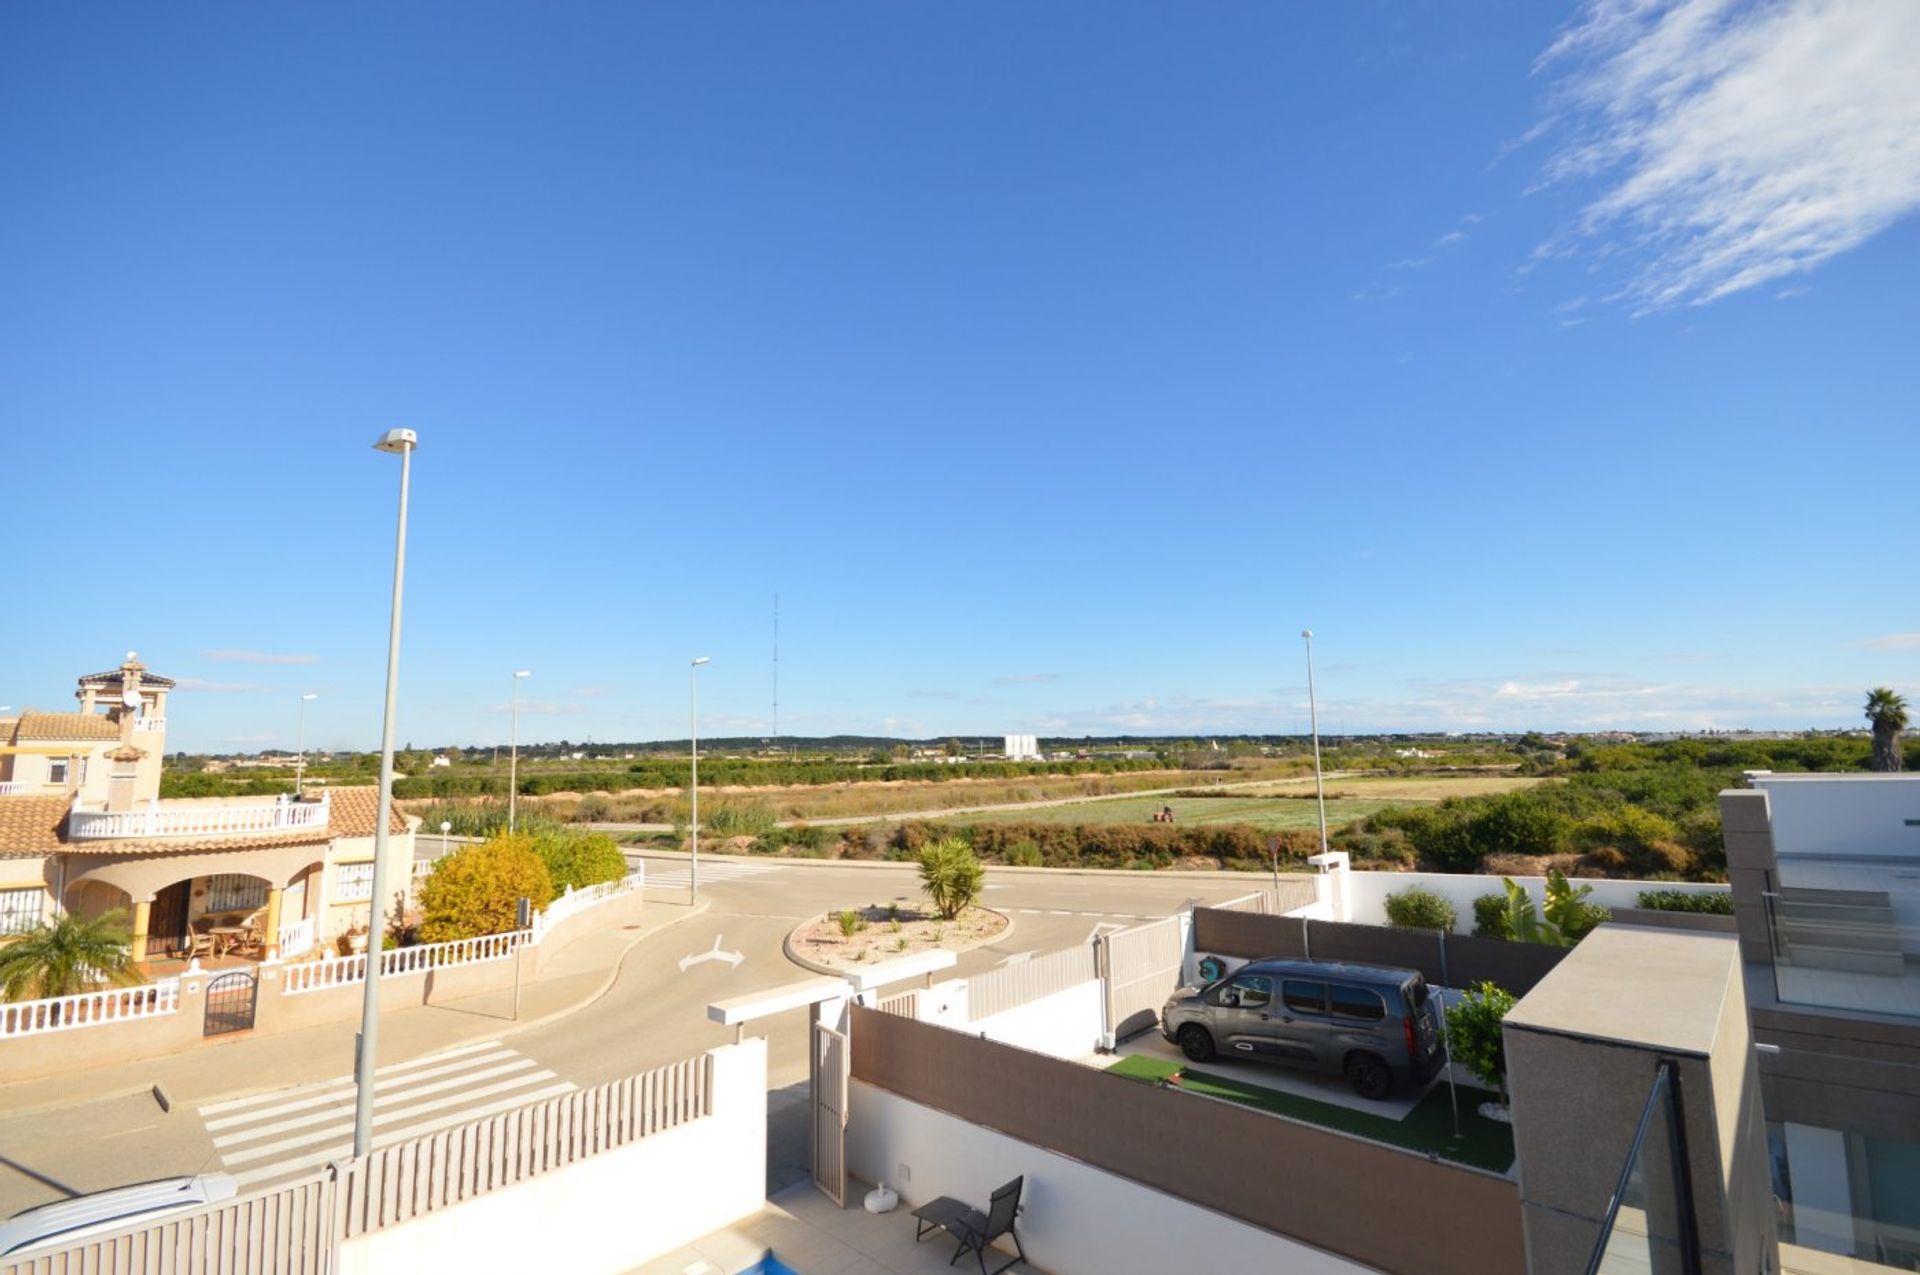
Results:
<point x="67" y="956"/>
<point x="951" y="875"/>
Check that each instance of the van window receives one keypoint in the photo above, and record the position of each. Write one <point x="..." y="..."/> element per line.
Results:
<point x="1249" y="991"/>
<point x="1416" y="993"/>
<point x="1305" y="998"/>
<point x="1355" y="1002"/>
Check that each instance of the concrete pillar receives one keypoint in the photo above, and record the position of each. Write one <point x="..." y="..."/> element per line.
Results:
<point x="270" y="937"/>
<point x="1583" y="1050"/>
<point x="142" y="913"/>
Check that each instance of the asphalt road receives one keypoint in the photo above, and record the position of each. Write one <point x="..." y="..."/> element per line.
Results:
<point x="653" y="1013"/>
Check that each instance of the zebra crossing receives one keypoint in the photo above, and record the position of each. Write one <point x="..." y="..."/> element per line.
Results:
<point x="266" y="1138"/>
<point x="661" y="876"/>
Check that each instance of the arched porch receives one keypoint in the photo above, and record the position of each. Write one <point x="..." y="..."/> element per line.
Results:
<point x="210" y="895"/>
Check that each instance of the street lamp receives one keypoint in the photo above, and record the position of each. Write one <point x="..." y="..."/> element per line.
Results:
<point x="693" y="871"/>
<point x="399" y="442"/>
<point x="446" y="826"/>
<point x="300" y="762"/>
<point x="513" y="762"/>
<point x="1313" y="711"/>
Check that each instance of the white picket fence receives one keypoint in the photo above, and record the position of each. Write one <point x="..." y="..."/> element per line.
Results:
<point x="397" y="962"/>
<point x="89" y="1009"/>
<point x="574" y="901"/>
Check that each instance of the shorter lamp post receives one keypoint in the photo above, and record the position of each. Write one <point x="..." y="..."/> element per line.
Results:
<point x="693" y="870"/>
<point x="300" y="761"/>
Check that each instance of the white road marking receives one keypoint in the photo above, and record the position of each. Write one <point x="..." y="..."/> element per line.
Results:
<point x="267" y="1137"/>
<point x="679" y="876"/>
<point x="712" y="954"/>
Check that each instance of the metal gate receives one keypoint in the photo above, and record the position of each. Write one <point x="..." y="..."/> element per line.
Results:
<point x="831" y="1064"/>
<point x="230" y="1002"/>
<point x="1141" y="968"/>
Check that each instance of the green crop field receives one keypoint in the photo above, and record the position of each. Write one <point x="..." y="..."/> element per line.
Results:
<point x="1268" y="813"/>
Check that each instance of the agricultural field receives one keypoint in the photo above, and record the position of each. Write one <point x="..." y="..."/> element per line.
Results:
<point x="1399" y="787"/>
<point x="1269" y="814"/>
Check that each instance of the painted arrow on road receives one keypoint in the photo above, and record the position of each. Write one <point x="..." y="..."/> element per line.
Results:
<point x="715" y="954"/>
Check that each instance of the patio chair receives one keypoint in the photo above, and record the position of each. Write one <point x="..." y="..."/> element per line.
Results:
<point x="200" y="939"/>
<point x="976" y="1230"/>
<point x="254" y="941"/>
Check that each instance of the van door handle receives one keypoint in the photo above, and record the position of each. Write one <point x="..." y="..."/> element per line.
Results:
<point x="1286" y="1020"/>
<point x="1265" y="1017"/>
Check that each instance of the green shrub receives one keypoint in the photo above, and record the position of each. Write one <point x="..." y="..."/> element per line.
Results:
<point x="1023" y="854"/>
<point x="740" y="819"/>
<point x="1568" y="911"/>
<point x="579" y="859"/>
<point x="951" y="876"/>
<point x="1418" y="908"/>
<point x="1474" y="1036"/>
<point x="850" y="921"/>
<point x="475" y="890"/>
<point x="1719" y="903"/>
<point x="1490" y="917"/>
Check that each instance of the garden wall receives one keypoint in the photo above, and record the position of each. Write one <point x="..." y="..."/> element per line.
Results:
<point x="1122" y="1176"/>
<point x="1452" y="960"/>
<point x="1367" y="892"/>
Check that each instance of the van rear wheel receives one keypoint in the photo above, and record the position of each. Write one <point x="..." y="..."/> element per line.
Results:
<point x="1196" y="1042"/>
<point x="1369" y="1075"/>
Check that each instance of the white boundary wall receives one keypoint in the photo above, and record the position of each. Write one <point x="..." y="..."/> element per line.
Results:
<point x="1066" y="1024"/>
<point x="610" y="1212"/>
<point x="1367" y="892"/>
<point x="1076" y="1219"/>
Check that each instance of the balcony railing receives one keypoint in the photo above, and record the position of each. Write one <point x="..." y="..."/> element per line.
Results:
<point x="9" y="788"/>
<point x="280" y="815"/>
<point x="149" y="724"/>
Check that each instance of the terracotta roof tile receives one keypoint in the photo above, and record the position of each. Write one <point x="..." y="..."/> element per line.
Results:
<point x="355" y="810"/>
<point x="63" y="726"/>
<point x="114" y="676"/>
<point x="31" y="825"/>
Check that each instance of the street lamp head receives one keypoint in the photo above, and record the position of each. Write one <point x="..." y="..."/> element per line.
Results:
<point x="397" y="441"/>
<point x="523" y="672"/>
<point x="704" y="659"/>
<point x="1306" y="633"/>
<point x="446" y="826"/>
<point x="311" y="695"/>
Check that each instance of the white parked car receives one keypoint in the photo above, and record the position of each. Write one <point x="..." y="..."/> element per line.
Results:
<point x="64" y="1222"/>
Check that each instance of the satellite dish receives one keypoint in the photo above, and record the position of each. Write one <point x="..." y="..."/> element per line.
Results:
<point x="130" y="697"/>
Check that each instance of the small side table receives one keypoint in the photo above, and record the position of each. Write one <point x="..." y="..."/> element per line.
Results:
<point x="938" y="1215"/>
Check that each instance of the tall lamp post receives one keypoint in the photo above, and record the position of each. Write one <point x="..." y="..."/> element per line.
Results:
<point x="300" y="762"/>
<point x="399" y="442"/>
<point x="693" y="871"/>
<point x="513" y="761"/>
<point x="1313" y="712"/>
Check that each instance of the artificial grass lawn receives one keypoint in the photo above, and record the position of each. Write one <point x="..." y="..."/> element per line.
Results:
<point x="1428" y="1128"/>
<point x="1272" y="814"/>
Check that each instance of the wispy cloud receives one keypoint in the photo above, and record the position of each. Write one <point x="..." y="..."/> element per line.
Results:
<point x="1732" y="142"/>
<point x="1024" y="679"/>
<point x="953" y="696"/>
<point x="206" y="687"/>
<point x="1891" y="642"/>
<point x="258" y="657"/>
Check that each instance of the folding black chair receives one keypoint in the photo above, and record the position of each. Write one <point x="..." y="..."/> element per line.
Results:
<point x="976" y="1230"/>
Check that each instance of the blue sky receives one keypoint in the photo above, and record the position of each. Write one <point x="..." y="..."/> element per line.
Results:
<point x="1055" y="364"/>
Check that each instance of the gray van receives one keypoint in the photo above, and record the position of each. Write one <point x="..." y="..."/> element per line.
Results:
<point x="1373" y="1024"/>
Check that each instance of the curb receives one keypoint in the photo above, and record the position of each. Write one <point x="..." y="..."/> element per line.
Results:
<point x="832" y="971"/>
<point x="613" y="972"/>
<point x="776" y="860"/>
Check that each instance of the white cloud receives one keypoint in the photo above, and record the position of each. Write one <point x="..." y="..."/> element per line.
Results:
<point x="1891" y="642"/>
<point x="258" y="657"/>
<point x="1734" y="141"/>
<point x="1449" y="239"/>
<point x="206" y="687"/>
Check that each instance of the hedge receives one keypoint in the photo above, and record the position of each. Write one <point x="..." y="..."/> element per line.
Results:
<point x="1717" y="903"/>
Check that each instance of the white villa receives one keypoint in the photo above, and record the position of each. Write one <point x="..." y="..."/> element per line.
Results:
<point x="83" y="828"/>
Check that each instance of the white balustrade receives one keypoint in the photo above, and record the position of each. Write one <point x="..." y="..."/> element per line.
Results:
<point x="579" y="900"/>
<point x="341" y="971"/>
<point x="297" y="938"/>
<point x="89" y="1009"/>
<point x="279" y="815"/>
<point x="10" y="788"/>
<point x="149" y="725"/>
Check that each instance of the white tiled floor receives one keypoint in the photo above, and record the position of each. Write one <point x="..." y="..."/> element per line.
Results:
<point x="807" y="1233"/>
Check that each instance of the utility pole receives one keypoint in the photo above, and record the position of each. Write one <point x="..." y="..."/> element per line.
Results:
<point x="1313" y="711"/>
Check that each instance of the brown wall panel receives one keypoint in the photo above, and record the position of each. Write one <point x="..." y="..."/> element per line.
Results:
<point x="1514" y="966"/>
<point x="1321" y="1188"/>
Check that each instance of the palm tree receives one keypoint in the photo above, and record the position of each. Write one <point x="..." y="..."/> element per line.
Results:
<point x="66" y="956"/>
<point x="1888" y="713"/>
